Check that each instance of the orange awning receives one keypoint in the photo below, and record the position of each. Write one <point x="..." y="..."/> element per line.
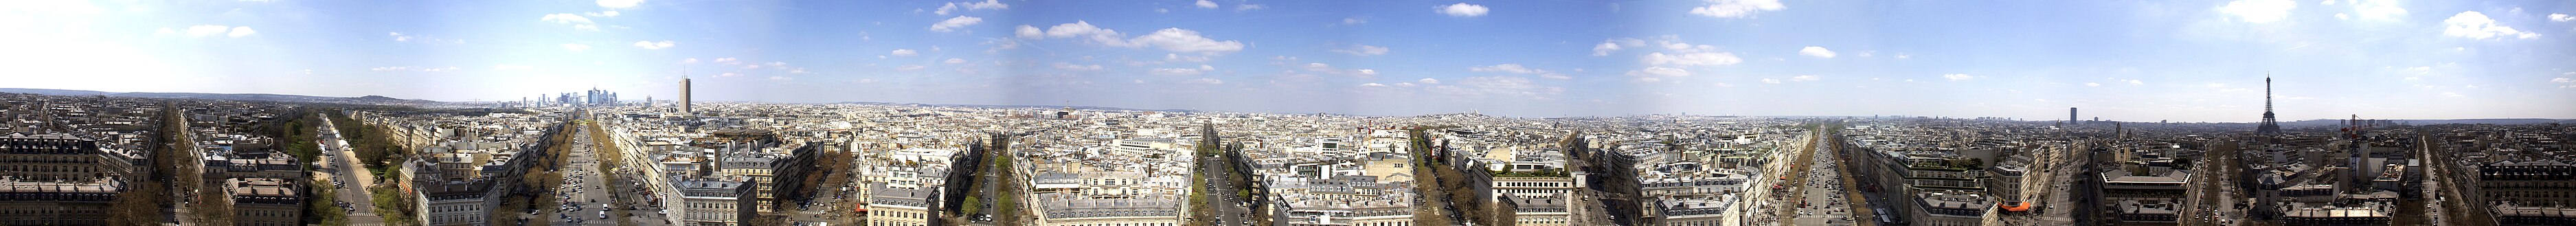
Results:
<point x="2025" y="206"/>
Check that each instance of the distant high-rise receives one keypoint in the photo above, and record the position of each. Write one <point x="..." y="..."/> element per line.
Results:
<point x="2269" y="126"/>
<point x="2070" y="116"/>
<point x="684" y="96"/>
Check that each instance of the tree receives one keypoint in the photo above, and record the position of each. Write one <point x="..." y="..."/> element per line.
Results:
<point x="137" y="205"/>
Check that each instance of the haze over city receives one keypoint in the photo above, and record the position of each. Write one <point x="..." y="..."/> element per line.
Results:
<point x="2131" y="61"/>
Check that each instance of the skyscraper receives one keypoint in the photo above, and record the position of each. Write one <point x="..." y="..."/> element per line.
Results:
<point x="2070" y="117"/>
<point x="684" y="95"/>
<point x="2269" y="126"/>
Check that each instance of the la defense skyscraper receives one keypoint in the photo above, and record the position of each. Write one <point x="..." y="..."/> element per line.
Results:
<point x="2269" y="126"/>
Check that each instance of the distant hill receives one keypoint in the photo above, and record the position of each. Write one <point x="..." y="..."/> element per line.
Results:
<point x="229" y="96"/>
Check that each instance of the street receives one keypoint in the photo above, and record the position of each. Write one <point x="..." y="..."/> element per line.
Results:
<point x="585" y="196"/>
<point x="351" y="177"/>
<point x="1221" y="192"/>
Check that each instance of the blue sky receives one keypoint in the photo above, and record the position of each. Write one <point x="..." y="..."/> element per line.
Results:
<point x="2119" y="60"/>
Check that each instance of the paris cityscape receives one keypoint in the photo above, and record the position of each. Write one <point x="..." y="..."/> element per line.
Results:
<point x="1287" y="113"/>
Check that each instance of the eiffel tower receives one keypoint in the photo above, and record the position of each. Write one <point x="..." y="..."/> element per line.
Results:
<point x="2270" y="126"/>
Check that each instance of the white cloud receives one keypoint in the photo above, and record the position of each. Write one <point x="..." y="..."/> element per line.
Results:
<point x="729" y="75"/>
<point x="399" y="37"/>
<point x="419" y="69"/>
<point x="654" y="45"/>
<point x="619" y="4"/>
<point x="1818" y="52"/>
<point x="1026" y="31"/>
<point x="241" y="31"/>
<point x="1244" y="7"/>
<point x="1693" y="59"/>
<point x="945" y="8"/>
<point x="1354" y="20"/>
<point x="2377" y="9"/>
<point x="1771" y="81"/>
<point x="780" y="78"/>
<point x="1175" y="71"/>
<point x="987" y="4"/>
<point x="2562" y="80"/>
<point x="207" y="30"/>
<point x="904" y="52"/>
<point x="1463" y="9"/>
<point x="577" y="47"/>
<point x="2474" y="25"/>
<point x="2136" y="82"/>
<point x="1428" y="81"/>
<point x="1803" y="78"/>
<point x="728" y="61"/>
<point x="1651" y="74"/>
<point x="1721" y="85"/>
<point x="2560" y="17"/>
<point x="1736" y="8"/>
<point x="577" y="22"/>
<point x="1205" y="4"/>
<point x="1076" y="67"/>
<point x="955" y="22"/>
<point x="954" y="61"/>
<point x="610" y="13"/>
<point x="506" y="67"/>
<point x="565" y="18"/>
<point x="909" y="67"/>
<point x="2259" y="11"/>
<point x="1372" y="84"/>
<point x="1168" y="39"/>
<point x="1329" y="69"/>
<point x="1187" y="41"/>
<point x="1615" y="44"/>
<point x="1958" y="77"/>
<point x="1686" y="54"/>
<point x="1518" y="69"/>
<point x="2089" y="84"/>
<point x="1363" y="50"/>
<point x="1175" y="57"/>
<point x="1512" y="68"/>
<point x="1209" y="81"/>
<point x="1904" y="56"/>
<point x="2341" y="16"/>
<point x="1496" y="86"/>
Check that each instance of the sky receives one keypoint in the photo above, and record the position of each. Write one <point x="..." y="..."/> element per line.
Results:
<point x="2183" y="61"/>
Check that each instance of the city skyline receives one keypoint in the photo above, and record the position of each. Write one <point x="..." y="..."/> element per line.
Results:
<point x="2124" y="61"/>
